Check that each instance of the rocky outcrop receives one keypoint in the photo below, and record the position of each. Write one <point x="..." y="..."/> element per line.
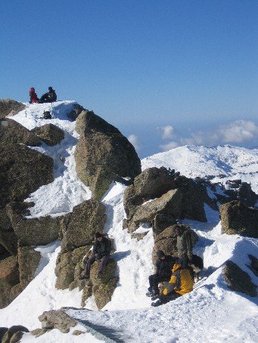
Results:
<point x="49" y="134"/>
<point x="79" y="227"/>
<point x="8" y="239"/>
<point x="166" y="240"/>
<point x="68" y="268"/>
<point x="103" y="154"/>
<point x="101" y="287"/>
<point x="236" y="218"/>
<point x="12" y="132"/>
<point x="17" y="177"/>
<point x="238" y="280"/>
<point x="237" y="190"/>
<point x="10" y="107"/>
<point x="57" y="319"/>
<point x="14" y="334"/>
<point x="9" y="277"/>
<point x="159" y="196"/>
<point x="28" y="261"/>
<point x="32" y="231"/>
<point x="74" y="113"/>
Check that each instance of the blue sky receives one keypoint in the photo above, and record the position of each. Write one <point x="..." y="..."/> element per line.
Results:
<point x="165" y="72"/>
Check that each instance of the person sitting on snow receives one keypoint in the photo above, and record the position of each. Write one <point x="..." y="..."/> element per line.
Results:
<point x="163" y="266"/>
<point x="100" y="252"/>
<point x="33" y="96"/>
<point x="50" y="96"/>
<point x="180" y="283"/>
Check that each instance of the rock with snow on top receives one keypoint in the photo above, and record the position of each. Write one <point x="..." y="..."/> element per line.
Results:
<point x="10" y="107"/>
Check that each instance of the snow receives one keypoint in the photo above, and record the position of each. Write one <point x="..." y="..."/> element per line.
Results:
<point x="210" y="313"/>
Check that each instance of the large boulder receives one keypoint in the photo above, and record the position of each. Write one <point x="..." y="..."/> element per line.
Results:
<point x="102" y="288"/>
<point x="49" y="134"/>
<point x="103" y="154"/>
<point x="238" y="280"/>
<point x="167" y="239"/>
<point x="10" y="107"/>
<point x="57" y="319"/>
<point x="13" y="132"/>
<point x="161" y="192"/>
<point x="168" y="204"/>
<point x="79" y="227"/>
<point x="9" y="277"/>
<point x="236" y="218"/>
<point x="17" y="176"/>
<point x="68" y="268"/>
<point x="8" y="239"/>
<point x="32" y="231"/>
<point x="28" y="261"/>
<point x="14" y="334"/>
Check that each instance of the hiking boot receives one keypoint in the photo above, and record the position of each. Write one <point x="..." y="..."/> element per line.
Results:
<point x="154" y="296"/>
<point x="157" y="303"/>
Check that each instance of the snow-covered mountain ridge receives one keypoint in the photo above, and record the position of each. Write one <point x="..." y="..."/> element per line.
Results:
<point x="211" y="313"/>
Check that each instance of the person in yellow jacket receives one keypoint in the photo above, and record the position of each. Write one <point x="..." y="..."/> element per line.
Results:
<point x="180" y="283"/>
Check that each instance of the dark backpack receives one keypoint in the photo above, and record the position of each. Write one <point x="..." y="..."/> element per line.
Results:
<point x="47" y="115"/>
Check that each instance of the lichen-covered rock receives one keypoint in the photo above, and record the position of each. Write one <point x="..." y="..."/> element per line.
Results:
<point x="10" y="107"/>
<point x="28" y="260"/>
<point x="12" y="132"/>
<point x="79" y="227"/>
<point x="17" y="177"/>
<point x="166" y="241"/>
<point x="236" y="218"/>
<point x="103" y="154"/>
<point x="9" y="276"/>
<point x="49" y="133"/>
<point x="32" y="231"/>
<point x="238" y="280"/>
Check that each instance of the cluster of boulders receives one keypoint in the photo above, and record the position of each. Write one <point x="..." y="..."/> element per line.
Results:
<point x="156" y="197"/>
<point x="103" y="155"/>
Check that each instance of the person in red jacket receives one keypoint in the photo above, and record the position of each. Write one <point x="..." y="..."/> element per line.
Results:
<point x="33" y="96"/>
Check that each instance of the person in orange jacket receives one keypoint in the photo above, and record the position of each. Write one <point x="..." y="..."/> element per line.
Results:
<point x="180" y="283"/>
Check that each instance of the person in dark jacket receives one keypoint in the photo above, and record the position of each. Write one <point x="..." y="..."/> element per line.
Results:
<point x="50" y="96"/>
<point x="164" y="266"/>
<point x="33" y="96"/>
<point x="100" y="252"/>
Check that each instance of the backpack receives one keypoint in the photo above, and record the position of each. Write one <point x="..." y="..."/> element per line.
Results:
<point x="47" y="115"/>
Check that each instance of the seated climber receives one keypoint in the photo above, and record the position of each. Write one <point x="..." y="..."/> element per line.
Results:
<point x="50" y="96"/>
<point x="180" y="283"/>
<point x="33" y="96"/>
<point x="100" y="252"/>
<point x="163" y="266"/>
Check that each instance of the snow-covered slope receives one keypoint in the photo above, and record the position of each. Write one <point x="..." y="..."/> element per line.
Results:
<point x="211" y="313"/>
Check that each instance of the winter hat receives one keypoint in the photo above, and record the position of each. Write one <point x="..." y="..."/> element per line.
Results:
<point x="98" y="235"/>
<point x="50" y="89"/>
<point x="32" y="89"/>
<point x="160" y="254"/>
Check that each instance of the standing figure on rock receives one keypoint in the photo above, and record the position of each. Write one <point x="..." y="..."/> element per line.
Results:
<point x="163" y="266"/>
<point x="100" y="252"/>
<point x="50" y="96"/>
<point x="180" y="283"/>
<point x="184" y="242"/>
<point x="33" y="96"/>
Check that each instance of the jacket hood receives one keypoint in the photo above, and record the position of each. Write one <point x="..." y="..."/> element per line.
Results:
<point x="176" y="267"/>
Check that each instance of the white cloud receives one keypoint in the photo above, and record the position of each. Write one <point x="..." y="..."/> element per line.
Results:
<point x="167" y="132"/>
<point x="239" y="131"/>
<point x="133" y="139"/>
